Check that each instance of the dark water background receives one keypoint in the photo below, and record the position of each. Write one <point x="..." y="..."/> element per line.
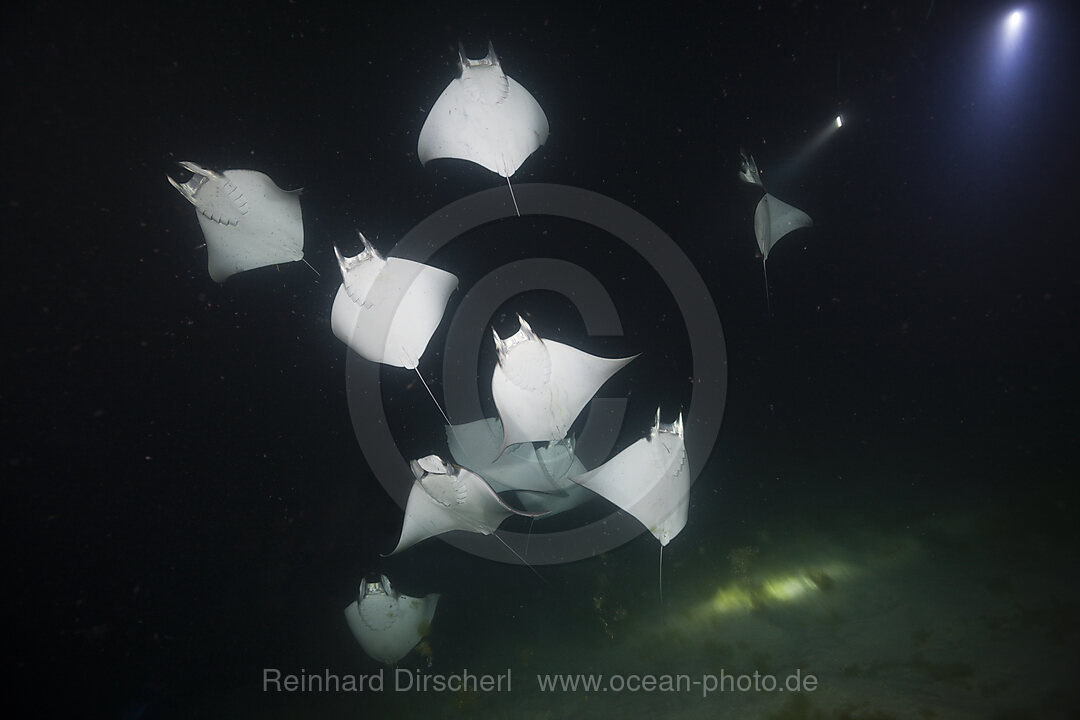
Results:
<point x="183" y="492"/>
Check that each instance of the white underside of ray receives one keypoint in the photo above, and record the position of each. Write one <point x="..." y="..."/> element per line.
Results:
<point x="650" y="480"/>
<point x="445" y="498"/>
<point x="541" y="386"/>
<point x="538" y="477"/>
<point x="554" y="503"/>
<point x="388" y="626"/>
<point x="485" y="117"/>
<point x="247" y="220"/>
<point x="749" y="170"/>
<point x="773" y="219"/>
<point x="387" y="310"/>
<point x="558" y="462"/>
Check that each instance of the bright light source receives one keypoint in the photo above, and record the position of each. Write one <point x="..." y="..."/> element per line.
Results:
<point x="1011" y="29"/>
<point x="839" y="121"/>
<point x="1014" y="21"/>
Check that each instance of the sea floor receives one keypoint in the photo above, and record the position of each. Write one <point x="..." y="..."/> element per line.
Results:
<point x="960" y="615"/>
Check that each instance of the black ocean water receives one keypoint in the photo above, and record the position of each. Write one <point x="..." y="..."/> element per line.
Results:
<point x="185" y="502"/>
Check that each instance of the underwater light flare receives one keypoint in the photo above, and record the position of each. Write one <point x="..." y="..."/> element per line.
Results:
<point x="788" y="171"/>
<point x="747" y="594"/>
<point x="1014" y="21"/>
<point x="1011" y="28"/>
